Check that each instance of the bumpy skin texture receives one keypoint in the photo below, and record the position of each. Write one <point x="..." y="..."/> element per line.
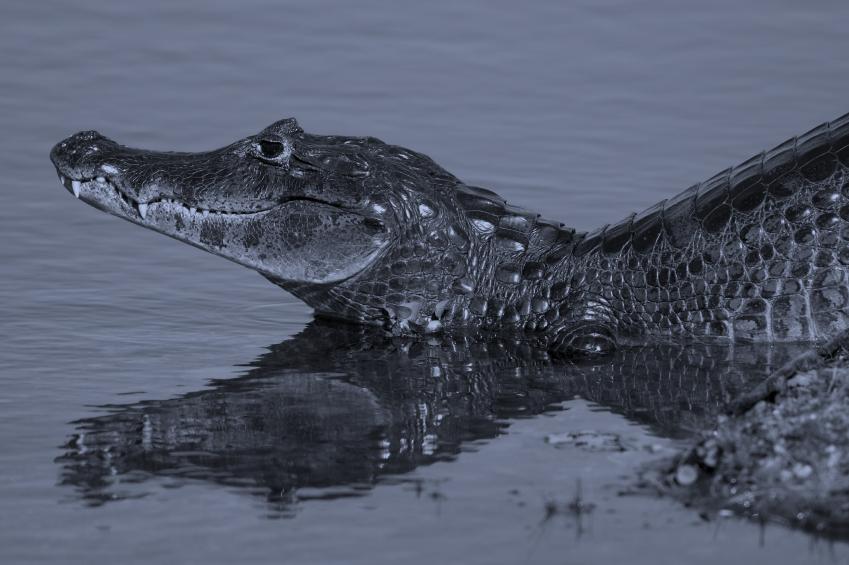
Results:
<point x="757" y="252"/>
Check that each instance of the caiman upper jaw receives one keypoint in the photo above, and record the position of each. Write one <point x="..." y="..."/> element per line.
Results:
<point x="89" y="166"/>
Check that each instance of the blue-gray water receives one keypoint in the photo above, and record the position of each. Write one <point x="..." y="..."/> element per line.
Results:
<point x="114" y="444"/>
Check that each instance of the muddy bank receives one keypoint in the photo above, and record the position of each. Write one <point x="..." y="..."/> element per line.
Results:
<point x="781" y="454"/>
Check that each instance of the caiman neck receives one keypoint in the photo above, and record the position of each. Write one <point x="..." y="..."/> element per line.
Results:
<point x="484" y="265"/>
<point x="517" y="274"/>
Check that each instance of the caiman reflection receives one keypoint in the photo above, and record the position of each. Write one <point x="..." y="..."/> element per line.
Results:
<point x="309" y="416"/>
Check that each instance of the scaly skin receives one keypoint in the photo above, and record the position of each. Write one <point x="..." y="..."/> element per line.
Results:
<point x="376" y="233"/>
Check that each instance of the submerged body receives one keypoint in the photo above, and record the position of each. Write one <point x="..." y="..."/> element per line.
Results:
<point x="376" y="233"/>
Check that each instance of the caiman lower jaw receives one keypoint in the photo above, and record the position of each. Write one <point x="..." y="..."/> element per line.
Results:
<point x="274" y="241"/>
<point x="102" y="193"/>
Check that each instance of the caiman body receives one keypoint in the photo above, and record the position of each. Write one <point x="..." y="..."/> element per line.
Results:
<point x="375" y="233"/>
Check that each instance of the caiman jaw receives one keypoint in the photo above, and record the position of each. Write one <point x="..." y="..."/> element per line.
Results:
<point x="101" y="192"/>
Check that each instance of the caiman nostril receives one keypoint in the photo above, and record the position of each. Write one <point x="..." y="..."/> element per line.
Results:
<point x="87" y="135"/>
<point x="80" y="152"/>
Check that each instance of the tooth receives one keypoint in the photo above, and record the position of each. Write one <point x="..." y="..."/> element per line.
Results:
<point x="142" y="210"/>
<point x="62" y="180"/>
<point x="205" y="213"/>
<point x="75" y="186"/>
<point x="193" y="210"/>
<point x="101" y="179"/>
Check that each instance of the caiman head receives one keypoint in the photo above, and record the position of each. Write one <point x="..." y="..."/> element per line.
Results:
<point x="356" y="228"/>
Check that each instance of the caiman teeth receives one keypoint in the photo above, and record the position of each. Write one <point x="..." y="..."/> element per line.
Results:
<point x="142" y="208"/>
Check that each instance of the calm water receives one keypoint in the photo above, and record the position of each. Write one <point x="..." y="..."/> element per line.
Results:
<point x="158" y="403"/>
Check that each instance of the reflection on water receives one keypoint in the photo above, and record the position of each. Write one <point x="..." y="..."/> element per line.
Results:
<point x="329" y="412"/>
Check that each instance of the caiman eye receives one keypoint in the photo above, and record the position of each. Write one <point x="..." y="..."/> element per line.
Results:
<point x="271" y="149"/>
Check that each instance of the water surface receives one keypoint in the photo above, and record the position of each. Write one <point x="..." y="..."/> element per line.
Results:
<point x="158" y="403"/>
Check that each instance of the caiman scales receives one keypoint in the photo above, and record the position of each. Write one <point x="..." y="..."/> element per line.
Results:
<point x="375" y="233"/>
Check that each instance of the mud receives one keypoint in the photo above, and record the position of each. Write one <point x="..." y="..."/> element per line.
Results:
<point x="781" y="453"/>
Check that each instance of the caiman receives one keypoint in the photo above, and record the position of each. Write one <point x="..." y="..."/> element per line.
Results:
<point x="378" y="234"/>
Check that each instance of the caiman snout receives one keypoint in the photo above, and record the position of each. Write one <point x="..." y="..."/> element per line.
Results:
<point x="79" y="155"/>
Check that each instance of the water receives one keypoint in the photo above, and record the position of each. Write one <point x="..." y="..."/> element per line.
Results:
<point x="159" y="403"/>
